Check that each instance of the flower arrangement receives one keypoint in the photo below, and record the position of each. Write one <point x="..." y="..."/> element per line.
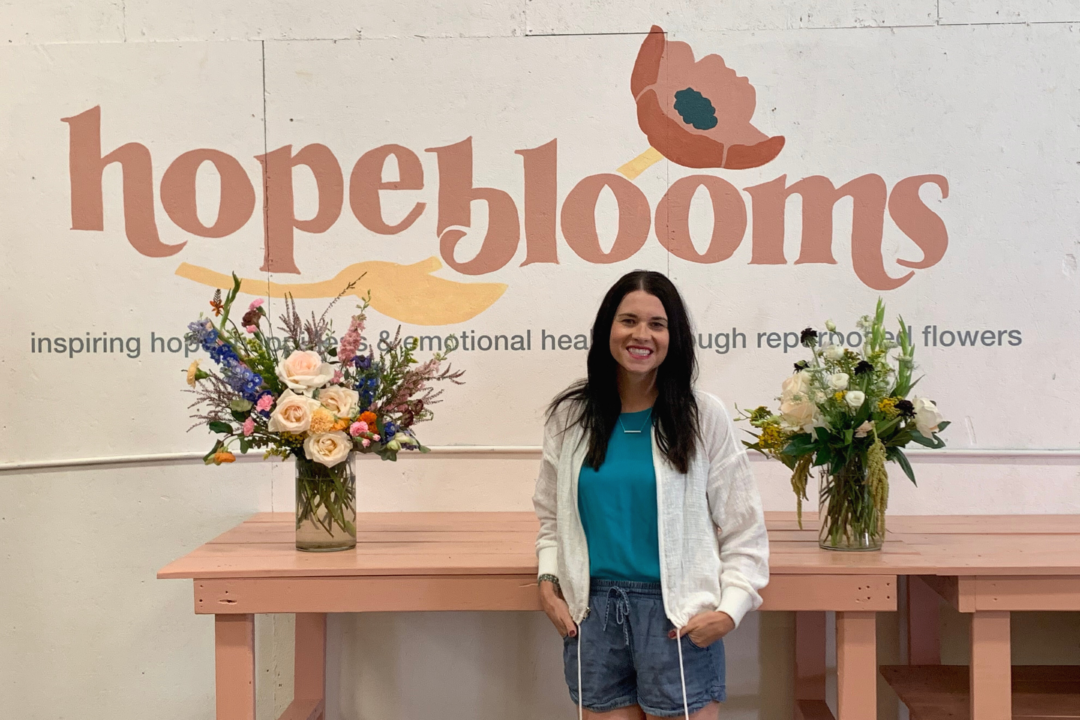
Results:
<point x="847" y="413"/>
<point x="309" y="396"/>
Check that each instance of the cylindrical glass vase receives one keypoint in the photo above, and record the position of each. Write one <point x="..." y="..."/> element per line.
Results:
<point x="850" y="516"/>
<point x="325" y="505"/>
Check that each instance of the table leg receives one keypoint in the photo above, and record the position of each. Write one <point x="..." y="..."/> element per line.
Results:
<point x="923" y="622"/>
<point x="991" y="666"/>
<point x="309" y="667"/>
<point x="810" y="666"/>
<point x="856" y="665"/>
<point x="234" y="654"/>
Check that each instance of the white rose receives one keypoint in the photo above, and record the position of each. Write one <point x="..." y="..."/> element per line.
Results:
<point x="304" y="370"/>
<point x="796" y="407"/>
<point x="864" y="429"/>
<point x="341" y="401"/>
<point x="796" y="387"/>
<point x="802" y="414"/>
<point x="855" y="398"/>
<point x="834" y="352"/>
<point x="292" y="413"/>
<point x="839" y="381"/>
<point x="927" y="417"/>
<point x="328" y="448"/>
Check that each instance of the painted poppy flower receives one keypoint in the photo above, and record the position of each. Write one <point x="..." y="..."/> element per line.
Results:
<point x="697" y="113"/>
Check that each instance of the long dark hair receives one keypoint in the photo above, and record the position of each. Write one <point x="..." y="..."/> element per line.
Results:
<point x="594" y="402"/>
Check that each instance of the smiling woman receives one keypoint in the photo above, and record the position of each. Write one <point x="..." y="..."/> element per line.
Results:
<point x="646" y="502"/>
<point x="639" y="340"/>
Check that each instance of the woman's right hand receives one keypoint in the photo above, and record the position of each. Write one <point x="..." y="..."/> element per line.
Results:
<point x="556" y="609"/>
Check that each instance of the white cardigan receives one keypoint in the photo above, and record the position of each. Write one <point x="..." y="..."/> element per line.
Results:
<point x="714" y="551"/>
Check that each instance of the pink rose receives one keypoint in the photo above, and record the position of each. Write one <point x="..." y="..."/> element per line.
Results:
<point x="249" y="427"/>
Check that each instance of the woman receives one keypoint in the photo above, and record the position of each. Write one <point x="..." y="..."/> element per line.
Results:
<point x="652" y="542"/>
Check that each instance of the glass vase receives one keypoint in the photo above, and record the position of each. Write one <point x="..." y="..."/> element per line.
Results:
<point x="325" y="505"/>
<point x="850" y="512"/>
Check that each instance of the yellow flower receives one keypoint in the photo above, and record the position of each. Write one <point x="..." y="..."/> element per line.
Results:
<point x="341" y="424"/>
<point x="322" y="420"/>
<point x="888" y="406"/>
<point x="838" y="396"/>
<point x="291" y="440"/>
<point x="772" y="438"/>
<point x="192" y="372"/>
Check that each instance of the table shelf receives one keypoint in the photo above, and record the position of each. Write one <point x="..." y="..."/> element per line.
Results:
<point x="940" y="692"/>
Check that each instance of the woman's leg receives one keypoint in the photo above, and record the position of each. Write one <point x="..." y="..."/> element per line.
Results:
<point x="709" y="712"/>
<point x="631" y="712"/>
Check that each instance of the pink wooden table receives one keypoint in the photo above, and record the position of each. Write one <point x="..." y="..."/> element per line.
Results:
<point x="987" y="567"/>
<point x="485" y="561"/>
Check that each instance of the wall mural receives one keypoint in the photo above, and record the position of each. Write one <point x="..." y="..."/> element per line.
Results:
<point x="694" y="113"/>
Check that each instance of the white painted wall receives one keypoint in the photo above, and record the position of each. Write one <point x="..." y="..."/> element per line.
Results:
<point x="985" y="94"/>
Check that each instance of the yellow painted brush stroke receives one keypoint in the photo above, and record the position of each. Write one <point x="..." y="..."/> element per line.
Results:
<point x="641" y="163"/>
<point x="408" y="293"/>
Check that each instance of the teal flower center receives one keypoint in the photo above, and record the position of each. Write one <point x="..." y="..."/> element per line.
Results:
<point x="695" y="109"/>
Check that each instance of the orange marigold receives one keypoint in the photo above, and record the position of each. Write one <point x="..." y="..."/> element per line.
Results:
<point x="368" y="417"/>
<point x="224" y="457"/>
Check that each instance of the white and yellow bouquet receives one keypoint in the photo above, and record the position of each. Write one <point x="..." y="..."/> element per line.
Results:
<point x="847" y="412"/>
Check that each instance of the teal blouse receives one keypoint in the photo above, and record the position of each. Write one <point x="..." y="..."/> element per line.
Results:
<point x="618" y="505"/>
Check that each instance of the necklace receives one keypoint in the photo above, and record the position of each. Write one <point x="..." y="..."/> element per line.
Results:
<point x="648" y="416"/>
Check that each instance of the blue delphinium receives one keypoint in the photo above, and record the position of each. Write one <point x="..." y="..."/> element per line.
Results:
<point x="390" y="429"/>
<point x="241" y="379"/>
<point x="366" y="387"/>
<point x="202" y="332"/>
<point x="224" y="355"/>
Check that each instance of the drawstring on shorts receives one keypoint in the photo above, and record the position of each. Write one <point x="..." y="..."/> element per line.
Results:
<point x="682" y="674"/>
<point x="580" y="693"/>
<point x="622" y="609"/>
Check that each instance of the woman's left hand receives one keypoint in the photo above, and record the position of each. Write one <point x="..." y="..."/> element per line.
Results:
<point x="706" y="628"/>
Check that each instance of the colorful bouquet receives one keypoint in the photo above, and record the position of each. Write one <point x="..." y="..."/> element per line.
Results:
<point x="308" y="395"/>
<point x="847" y="413"/>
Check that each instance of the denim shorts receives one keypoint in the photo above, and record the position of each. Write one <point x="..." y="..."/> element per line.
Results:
<point x="627" y="657"/>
